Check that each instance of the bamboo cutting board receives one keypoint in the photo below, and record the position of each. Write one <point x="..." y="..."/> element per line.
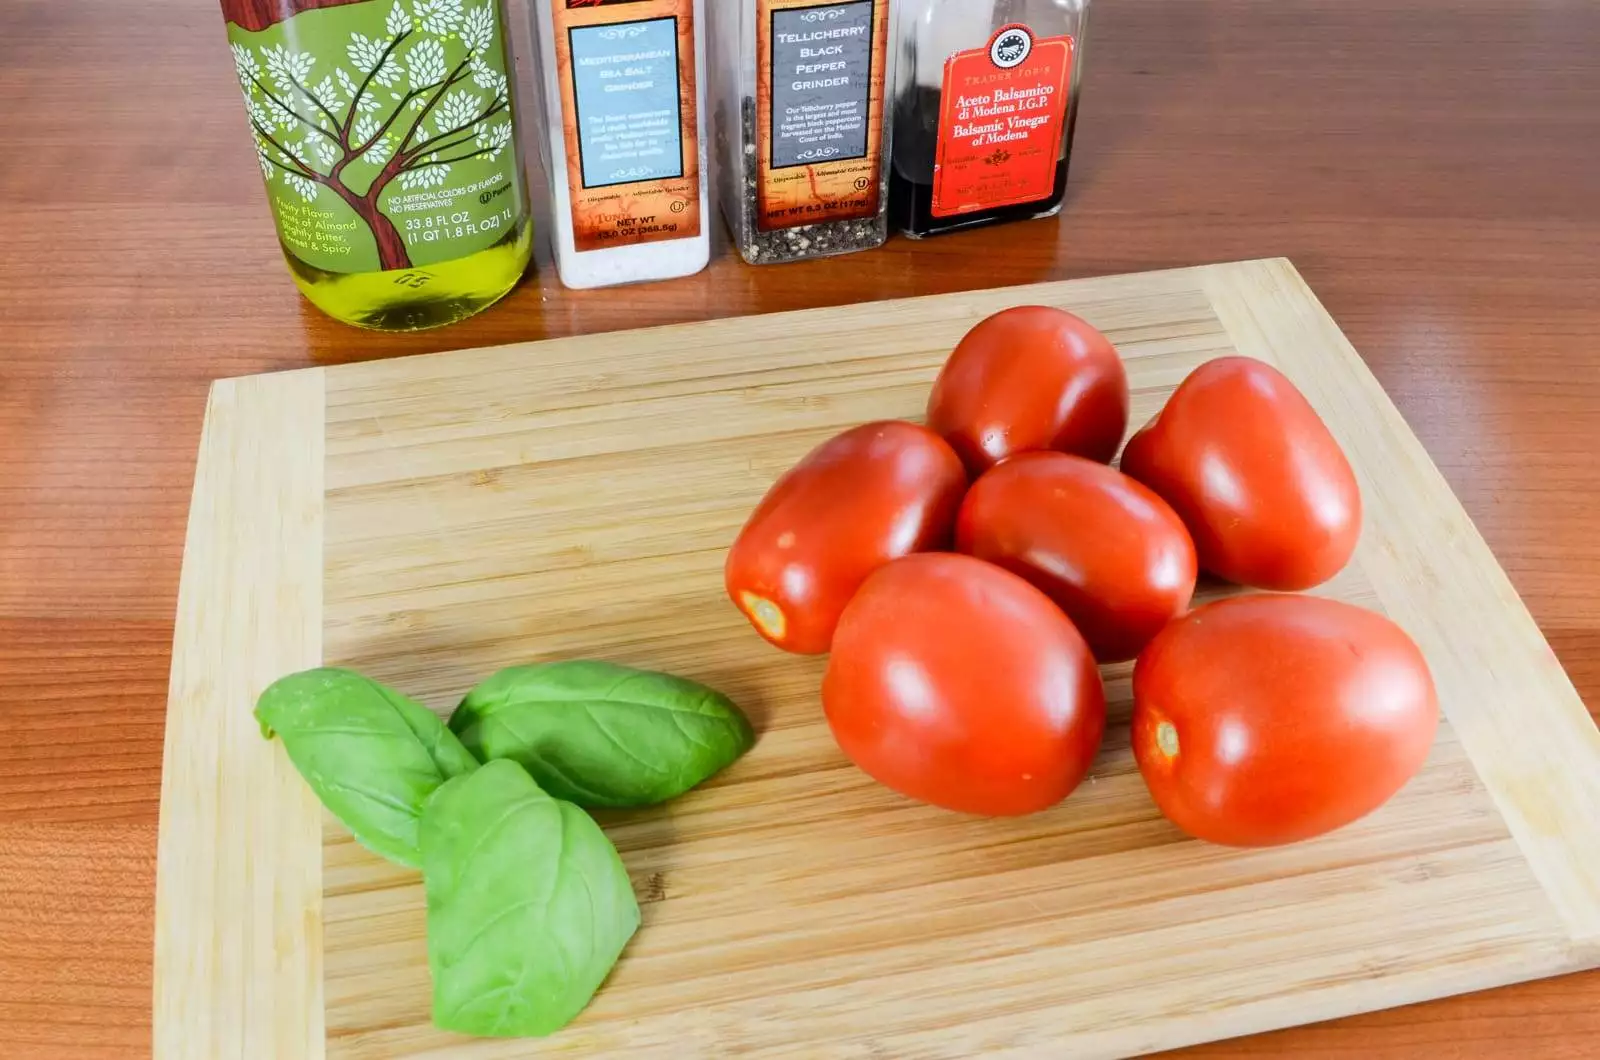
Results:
<point x="433" y="519"/>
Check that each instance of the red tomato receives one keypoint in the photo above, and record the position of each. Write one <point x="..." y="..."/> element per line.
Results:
<point x="1262" y="720"/>
<point x="1264" y="489"/>
<point x="1107" y="550"/>
<point x="1032" y="377"/>
<point x="959" y="684"/>
<point x="859" y="500"/>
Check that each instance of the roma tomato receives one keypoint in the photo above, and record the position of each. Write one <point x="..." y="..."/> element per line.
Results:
<point x="961" y="685"/>
<point x="1032" y="377"/>
<point x="1262" y="720"/>
<point x="857" y="501"/>
<point x="1264" y="489"/>
<point x="1107" y="550"/>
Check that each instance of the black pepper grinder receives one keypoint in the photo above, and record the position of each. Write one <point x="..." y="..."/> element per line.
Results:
<point x="986" y="94"/>
<point x="802" y="124"/>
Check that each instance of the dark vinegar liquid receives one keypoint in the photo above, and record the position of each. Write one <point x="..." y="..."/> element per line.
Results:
<point x="916" y="145"/>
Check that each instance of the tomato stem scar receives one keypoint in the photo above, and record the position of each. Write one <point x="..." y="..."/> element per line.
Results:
<point x="767" y="615"/>
<point x="1167" y="739"/>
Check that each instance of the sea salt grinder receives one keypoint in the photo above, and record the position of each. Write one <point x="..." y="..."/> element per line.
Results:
<point x="623" y="94"/>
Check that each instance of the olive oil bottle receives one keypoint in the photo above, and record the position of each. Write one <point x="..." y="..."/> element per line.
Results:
<point x="384" y="130"/>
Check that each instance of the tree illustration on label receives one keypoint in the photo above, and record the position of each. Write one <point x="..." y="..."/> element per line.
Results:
<point x="399" y="110"/>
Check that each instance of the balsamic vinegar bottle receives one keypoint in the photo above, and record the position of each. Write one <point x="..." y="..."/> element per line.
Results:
<point x="986" y="95"/>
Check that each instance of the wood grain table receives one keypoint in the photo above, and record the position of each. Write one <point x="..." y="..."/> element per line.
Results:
<point x="1432" y="167"/>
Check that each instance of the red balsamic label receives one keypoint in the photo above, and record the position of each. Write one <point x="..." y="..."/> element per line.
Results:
<point x="1001" y="119"/>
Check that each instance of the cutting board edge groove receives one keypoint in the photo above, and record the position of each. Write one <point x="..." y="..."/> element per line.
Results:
<point x="238" y="907"/>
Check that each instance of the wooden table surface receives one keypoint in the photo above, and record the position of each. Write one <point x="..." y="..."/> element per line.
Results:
<point x="1432" y="166"/>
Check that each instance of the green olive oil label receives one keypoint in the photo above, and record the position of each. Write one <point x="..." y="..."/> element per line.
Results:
<point x="383" y="127"/>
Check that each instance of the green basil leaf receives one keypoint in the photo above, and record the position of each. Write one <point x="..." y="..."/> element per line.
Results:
<point x="603" y="735"/>
<point x="372" y="755"/>
<point x="529" y="905"/>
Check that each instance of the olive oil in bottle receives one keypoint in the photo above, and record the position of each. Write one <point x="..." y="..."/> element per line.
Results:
<point x="384" y="130"/>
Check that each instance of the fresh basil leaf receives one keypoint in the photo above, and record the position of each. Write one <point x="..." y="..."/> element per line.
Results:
<point x="529" y="905"/>
<point x="372" y="755"/>
<point x="598" y="734"/>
